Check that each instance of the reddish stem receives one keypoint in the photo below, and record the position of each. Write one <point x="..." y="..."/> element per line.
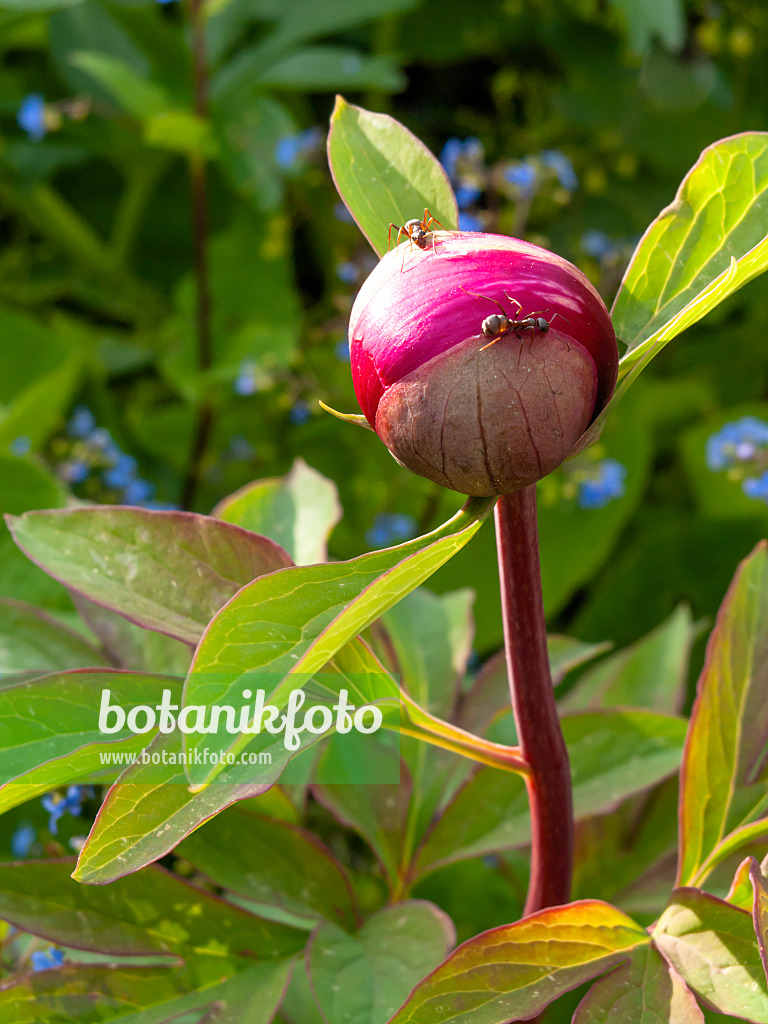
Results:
<point x="533" y="701"/>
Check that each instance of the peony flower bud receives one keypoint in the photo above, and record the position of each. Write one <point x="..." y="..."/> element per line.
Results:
<point x="479" y="415"/>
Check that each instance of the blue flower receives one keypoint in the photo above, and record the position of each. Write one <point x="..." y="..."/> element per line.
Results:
<point x="291" y="147"/>
<point x="756" y="487"/>
<point x="82" y="422"/>
<point x="122" y="473"/>
<point x="449" y="157"/>
<point x="340" y="212"/>
<point x="31" y="116"/>
<point x="241" y="448"/>
<point x="596" y="244"/>
<point x="138" y="491"/>
<point x="389" y="528"/>
<point x="20" y="445"/>
<point x="341" y="349"/>
<point x="300" y="413"/>
<point x="43" y="961"/>
<point x="469" y="222"/>
<point x="736" y="442"/>
<point x="23" y="839"/>
<point x="562" y="166"/>
<point x="604" y="485"/>
<point x="347" y="272"/>
<point x="57" y="805"/>
<point x="466" y="194"/>
<point x="245" y="382"/>
<point x="74" y="471"/>
<point x="522" y="176"/>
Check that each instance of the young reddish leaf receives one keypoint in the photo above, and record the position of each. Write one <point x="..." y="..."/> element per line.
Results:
<point x="513" y="972"/>
<point x="168" y="571"/>
<point x="760" y="911"/>
<point x="724" y="781"/>
<point x="712" y="945"/>
<point x="363" y="978"/>
<point x="273" y="863"/>
<point x="646" y="990"/>
<point x="153" y="912"/>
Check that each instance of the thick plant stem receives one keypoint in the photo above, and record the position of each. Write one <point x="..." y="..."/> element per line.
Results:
<point x="533" y="701"/>
<point x="199" y="189"/>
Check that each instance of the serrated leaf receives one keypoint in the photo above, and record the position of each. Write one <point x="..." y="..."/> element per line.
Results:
<point x="168" y="571"/>
<point x="724" y="780"/>
<point x="385" y="174"/>
<point x="363" y="978"/>
<point x="272" y="863"/>
<point x="298" y="511"/>
<point x="514" y="972"/>
<point x="713" y="946"/>
<point x="296" y="620"/>
<point x="645" y="990"/>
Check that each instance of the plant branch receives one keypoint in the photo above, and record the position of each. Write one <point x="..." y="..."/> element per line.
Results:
<point x="533" y="701"/>
<point x="199" y="188"/>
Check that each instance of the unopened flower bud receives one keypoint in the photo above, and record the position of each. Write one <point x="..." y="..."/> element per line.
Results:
<point x="480" y="359"/>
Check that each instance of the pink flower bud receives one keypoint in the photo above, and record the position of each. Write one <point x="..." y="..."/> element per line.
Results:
<point x="479" y="415"/>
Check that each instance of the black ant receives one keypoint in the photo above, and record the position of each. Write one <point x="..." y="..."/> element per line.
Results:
<point x="496" y="326"/>
<point x="416" y="230"/>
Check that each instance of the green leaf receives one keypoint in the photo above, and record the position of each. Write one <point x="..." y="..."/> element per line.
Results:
<point x="321" y="68"/>
<point x="385" y="174"/>
<point x="713" y="946"/>
<point x="296" y="620"/>
<point x="153" y="912"/>
<point x="741" y="894"/>
<point x="180" y="131"/>
<point x="513" y="972"/>
<point x="724" y="781"/>
<point x="652" y="673"/>
<point x="363" y="978"/>
<point x="613" y="755"/>
<point x="150" y="808"/>
<point x="760" y="911"/>
<point x="706" y="245"/>
<point x="142" y="995"/>
<point x="272" y="863"/>
<point x="298" y="511"/>
<point x="432" y="638"/>
<point x="134" y="92"/>
<point x="645" y="990"/>
<point x="32" y="641"/>
<point x="49" y="727"/>
<point x="42" y="6"/>
<point x="169" y="571"/>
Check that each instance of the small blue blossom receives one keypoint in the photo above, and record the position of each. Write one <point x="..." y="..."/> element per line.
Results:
<point x="449" y="157"/>
<point x="74" y="471"/>
<point x="82" y="422"/>
<point x="291" y="148"/>
<point x="23" y="839"/>
<point x="31" y="116"/>
<point x="756" y="487"/>
<point x="604" y="485"/>
<point x="300" y="413"/>
<point x="159" y="506"/>
<point x="469" y="222"/>
<point x="389" y="528"/>
<point x="562" y="166"/>
<point x="467" y="194"/>
<point x="122" y="473"/>
<point x="245" y="382"/>
<point x="340" y="212"/>
<point x="44" y="961"/>
<point x="138" y="491"/>
<point x="240" y="448"/>
<point x="57" y="805"/>
<point x="597" y="244"/>
<point x="20" y="445"/>
<point x="167" y="1"/>
<point x="341" y="349"/>
<point x="347" y="272"/>
<point x="739" y="441"/>
<point x="522" y="175"/>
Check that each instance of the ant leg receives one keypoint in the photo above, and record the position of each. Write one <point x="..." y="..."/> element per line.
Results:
<point x="490" y="343"/>
<point x="561" y="317"/>
<point x="518" y="304"/>
<point x="487" y="299"/>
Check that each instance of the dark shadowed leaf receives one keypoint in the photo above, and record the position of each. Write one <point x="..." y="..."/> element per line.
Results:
<point x="169" y="571"/>
<point x="385" y="174"/>
<point x="32" y="641"/>
<point x="724" y="780"/>
<point x="513" y="972"/>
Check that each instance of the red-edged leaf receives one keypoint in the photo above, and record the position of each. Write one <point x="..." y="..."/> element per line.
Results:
<point x="760" y="911"/>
